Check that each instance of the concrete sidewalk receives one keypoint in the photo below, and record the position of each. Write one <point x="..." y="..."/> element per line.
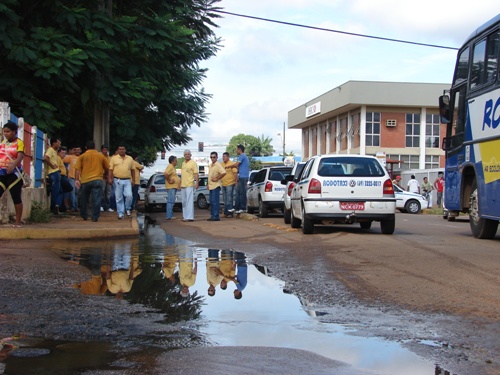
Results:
<point x="72" y="226"/>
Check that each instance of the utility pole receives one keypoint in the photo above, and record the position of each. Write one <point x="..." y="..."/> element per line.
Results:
<point x="283" y="139"/>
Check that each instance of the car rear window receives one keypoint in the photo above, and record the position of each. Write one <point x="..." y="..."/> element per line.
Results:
<point x="279" y="174"/>
<point x="349" y="166"/>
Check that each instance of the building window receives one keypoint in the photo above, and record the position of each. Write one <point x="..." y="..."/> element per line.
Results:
<point x="431" y="161"/>
<point x="432" y="131"/>
<point x="373" y="128"/>
<point x="409" y="161"/>
<point x="412" y="130"/>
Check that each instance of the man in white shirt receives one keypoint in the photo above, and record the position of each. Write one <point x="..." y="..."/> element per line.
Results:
<point x="413" y="185"/>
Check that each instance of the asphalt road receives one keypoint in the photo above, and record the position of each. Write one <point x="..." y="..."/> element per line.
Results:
<point x="430" y="270"/>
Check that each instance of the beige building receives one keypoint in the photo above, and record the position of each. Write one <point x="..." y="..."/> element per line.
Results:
<point x="361" y="117"/>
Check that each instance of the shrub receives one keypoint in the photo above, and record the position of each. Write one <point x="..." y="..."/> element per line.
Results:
<point x="39" y="214"/>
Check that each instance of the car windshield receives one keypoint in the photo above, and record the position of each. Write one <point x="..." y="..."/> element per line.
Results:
<point x="350" y="166"/>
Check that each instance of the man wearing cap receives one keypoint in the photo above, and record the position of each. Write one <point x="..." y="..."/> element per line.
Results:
<point x="121" y="175"/>
<point x="397" y="181"/>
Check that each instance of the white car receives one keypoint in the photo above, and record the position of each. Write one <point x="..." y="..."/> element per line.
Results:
<point x="265" y="192"/>
<point x="412" y="203"/>
<point x="343" y="189"/>
<point x="289" y="183"/>
<point x="156" y="193"/>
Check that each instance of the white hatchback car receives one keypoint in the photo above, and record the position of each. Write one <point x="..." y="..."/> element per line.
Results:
<point x="289" y="184"/>
<point x="265" y="192"/>
<point x="343" y="189"/>
<point x="155" y="195"/>
<point x="412" y="203"/>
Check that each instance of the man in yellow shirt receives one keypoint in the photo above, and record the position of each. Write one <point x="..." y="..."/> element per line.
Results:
<point x="137" y="180"/>
<point x="189" y="183"/>
<point x="122" y="172"/>
<point x="71" y="161"/>
<point x="228" y="184"/>
<point x="89" y="169"/>
<point x="172" y="183"/>
<point x="215" y="174"/>
<point x="52" y="160"/>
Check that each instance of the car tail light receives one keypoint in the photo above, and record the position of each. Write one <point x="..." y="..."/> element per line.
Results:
<point x="290" y="188"/>
<point x="314" y="186"/>
<point x="269" y="187"/>
<point x="388" y="188"/>
<point x="152" y="189"/>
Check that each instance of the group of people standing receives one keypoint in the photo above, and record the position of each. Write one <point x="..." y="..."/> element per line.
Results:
<point x="107" y="181"/>
<point x="226" y="176"/>
<point x="425" y="188"/>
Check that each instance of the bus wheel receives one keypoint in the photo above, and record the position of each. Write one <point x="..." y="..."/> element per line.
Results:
<point x="480" y="227"/>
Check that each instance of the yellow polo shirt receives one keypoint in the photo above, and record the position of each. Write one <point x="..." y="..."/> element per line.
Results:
<point x="188" y="170"/>
<point x="121" y="166"/>
<point x="171" y="174"/>
<point x="62" y="167"/>
<point x="138" y="168"/>
<point x="92" y="165"/>
<point x="230" y="177"/>
<point x="214" y="171"/>
<point x="52" y="154"/>
<point x="71" y="160"/>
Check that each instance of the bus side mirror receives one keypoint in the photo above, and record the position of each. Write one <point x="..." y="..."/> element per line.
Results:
<point x="444" y="109"/>
<point x="446" y="145"/>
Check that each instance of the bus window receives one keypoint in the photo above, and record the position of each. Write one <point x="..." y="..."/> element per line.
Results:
<point x="492" y="50"/>
<point x="478" y="66"/>
<point x="462" y="67"/>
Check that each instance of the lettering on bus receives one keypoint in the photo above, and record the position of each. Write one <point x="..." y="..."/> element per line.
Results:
<point x="491" y="114"/>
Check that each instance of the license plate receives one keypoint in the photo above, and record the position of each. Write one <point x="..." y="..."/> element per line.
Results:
<point x="352" y="206"/>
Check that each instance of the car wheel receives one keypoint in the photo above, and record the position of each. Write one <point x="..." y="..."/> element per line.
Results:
<point x="294" y="222"/>
<point x="287" y="215"/>
<point x="412" y="206"/>
<point x="307" y="224"/>
<point x="481" y="228"/>
<point x="446" y="213"/>
<point x="264" y="212"/>
<point x="365" y="224"/>
<point x="388" y="226"/>
<point x="201" y="201"/>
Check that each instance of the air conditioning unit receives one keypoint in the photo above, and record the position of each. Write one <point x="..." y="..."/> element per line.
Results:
<point x="390" y="123"/>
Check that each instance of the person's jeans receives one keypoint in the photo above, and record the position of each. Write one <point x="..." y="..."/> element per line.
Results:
<point x="170" y="202"/>
<point x="135" y="195"/>
<point x="91" y="189"/>
<point x="188" y="203"/>
<point x="73" y="196"/>
<point x="215" y="203"/>
<point x="228" y="196"/>
<point x="123" y="194"/>
<point x="56" y="196"/>
<point x="241" y="194"/>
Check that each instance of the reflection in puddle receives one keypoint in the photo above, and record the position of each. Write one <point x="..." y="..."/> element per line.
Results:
<point x="227" y="298"/>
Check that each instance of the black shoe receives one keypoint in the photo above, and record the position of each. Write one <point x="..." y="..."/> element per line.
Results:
<point x="84" y="218"/>
<point x="94" y="220"/>
<point x="213" y="219"/>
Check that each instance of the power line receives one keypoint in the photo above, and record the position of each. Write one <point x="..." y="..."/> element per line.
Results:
<point x="337" y="31"/>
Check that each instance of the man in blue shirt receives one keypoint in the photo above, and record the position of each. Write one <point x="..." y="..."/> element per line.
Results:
<point x="243" y="166"/>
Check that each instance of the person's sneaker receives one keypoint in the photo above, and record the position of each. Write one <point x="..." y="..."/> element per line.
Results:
<point x="231" y="210"/>
<point x="120" y="217"/>
<point x="238" y="211"/>
<point x="102" y="209"/>
<point x="128" y="213"/>
<point x="110" y="210"/>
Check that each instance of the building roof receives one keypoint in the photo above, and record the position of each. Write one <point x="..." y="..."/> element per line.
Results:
<point x="354" y="94"/>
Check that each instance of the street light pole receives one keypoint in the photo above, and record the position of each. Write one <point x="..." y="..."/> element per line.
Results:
<point x="283" y="139"/>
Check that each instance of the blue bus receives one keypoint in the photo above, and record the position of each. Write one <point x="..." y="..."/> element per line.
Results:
<point x="471" y="112"/>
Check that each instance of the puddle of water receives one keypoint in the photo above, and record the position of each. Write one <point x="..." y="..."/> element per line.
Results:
<point x="172" y="276"/>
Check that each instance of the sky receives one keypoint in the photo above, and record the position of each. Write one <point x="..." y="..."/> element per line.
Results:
<point x="263" y="70"/>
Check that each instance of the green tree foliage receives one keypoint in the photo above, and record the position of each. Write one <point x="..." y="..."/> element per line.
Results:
<point x="254" y="146"/>
<point x="61" y="60"/>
